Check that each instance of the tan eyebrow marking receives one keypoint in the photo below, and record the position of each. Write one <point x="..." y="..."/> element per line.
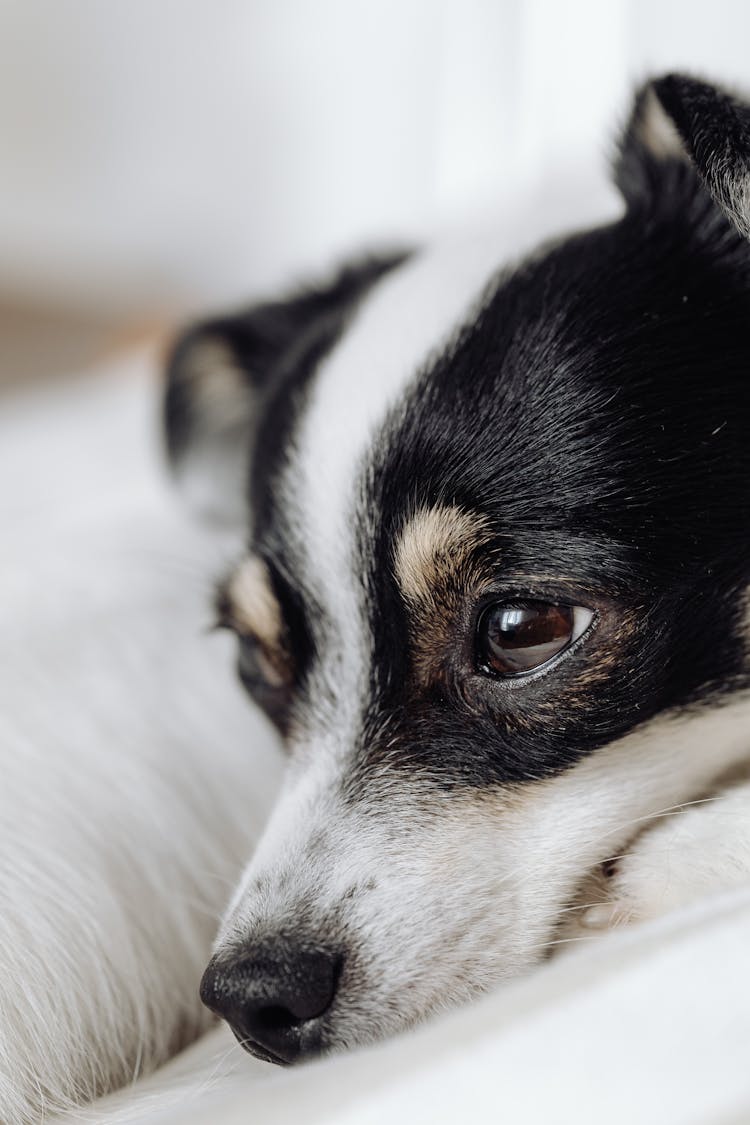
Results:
<point x="252" y="604"/>
<point x="434" y="550"/>
<point x="435" y="562"/>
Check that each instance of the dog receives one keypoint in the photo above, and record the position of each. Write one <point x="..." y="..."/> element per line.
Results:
<point x="494" y="596"/>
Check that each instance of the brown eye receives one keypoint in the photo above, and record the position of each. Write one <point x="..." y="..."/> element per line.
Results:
<point x="512" y="639"/>
<point x="267" y="677"/>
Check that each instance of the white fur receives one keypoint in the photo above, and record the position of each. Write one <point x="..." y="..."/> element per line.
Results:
<point x="658" y="131"/>
<point x="734" y="196"/>
<point x="693" y="852"/>
<point x="410" y="316"/>
<point x="212" y="470"/>
<point x="469" y="891"/>
<point x="134" y="775"/>
<point x="441" y="898"/>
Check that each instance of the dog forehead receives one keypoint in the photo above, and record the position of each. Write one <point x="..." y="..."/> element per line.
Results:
<point x="323" y="508"/>
<point x="465" y="407"/>
<point x="410" y="316"/>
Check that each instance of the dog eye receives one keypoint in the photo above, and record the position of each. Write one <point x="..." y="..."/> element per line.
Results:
<point x="269" y="681"/>
<point x="257" y="668"/>
<point x="516" y="638"/>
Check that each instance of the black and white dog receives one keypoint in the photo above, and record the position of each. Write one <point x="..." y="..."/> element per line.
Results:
<point x="495" y="592"/>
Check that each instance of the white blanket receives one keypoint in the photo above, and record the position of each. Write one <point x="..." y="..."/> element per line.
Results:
<point x="650" y="1026"/>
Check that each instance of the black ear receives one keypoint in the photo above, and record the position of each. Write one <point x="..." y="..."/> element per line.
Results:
<point x="681" y="121"/>
<point x="221" y="370"/>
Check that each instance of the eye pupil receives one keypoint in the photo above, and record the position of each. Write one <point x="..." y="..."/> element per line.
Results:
<point x="512" y="639"/>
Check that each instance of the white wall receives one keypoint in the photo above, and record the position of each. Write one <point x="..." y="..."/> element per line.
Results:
<point x="184" y="151"/>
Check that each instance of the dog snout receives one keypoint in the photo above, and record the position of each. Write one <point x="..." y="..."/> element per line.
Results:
<point x="274" y="1000"/>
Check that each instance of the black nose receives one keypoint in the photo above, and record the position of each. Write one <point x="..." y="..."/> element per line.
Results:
<point x="274" y="999"/>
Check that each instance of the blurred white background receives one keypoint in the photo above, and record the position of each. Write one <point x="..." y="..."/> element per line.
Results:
<point x="161" y="155"/>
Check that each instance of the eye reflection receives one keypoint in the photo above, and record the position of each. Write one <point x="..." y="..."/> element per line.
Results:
<point x="519" y="637"/>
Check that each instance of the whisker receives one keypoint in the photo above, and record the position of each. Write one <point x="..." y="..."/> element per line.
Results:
<point x="582" y="906"/>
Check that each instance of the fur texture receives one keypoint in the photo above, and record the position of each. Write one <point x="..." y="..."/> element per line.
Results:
<point x="577" y="417"/>
<point x="112" y="870"/>
<point x="565" y="432"/>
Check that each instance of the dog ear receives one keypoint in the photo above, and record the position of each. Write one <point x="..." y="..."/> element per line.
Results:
<point x="678" y="120"/>
<point x="220" y="372"/>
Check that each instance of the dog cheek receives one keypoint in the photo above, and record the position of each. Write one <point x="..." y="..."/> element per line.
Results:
<point x="437" y="896"/>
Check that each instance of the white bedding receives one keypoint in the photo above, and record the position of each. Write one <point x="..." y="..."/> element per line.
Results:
<point x="651" y="1025"/>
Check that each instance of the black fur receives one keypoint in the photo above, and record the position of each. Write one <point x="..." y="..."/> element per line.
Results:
<point x="596" y="414"/>
<point x="715" y="128"/>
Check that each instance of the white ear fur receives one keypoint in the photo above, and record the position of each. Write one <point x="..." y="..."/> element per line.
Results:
<point x="656" y="130"/>
<point x="714" y="126"/>
<point x="219" y="370"/>
<point x="679" y="118"/>
<point x="210" y="405"/>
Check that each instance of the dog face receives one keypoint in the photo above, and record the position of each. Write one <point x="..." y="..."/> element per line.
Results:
<point x="494" y="596"/>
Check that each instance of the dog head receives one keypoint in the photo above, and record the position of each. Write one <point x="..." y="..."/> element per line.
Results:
<point x="494" y="594"/>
